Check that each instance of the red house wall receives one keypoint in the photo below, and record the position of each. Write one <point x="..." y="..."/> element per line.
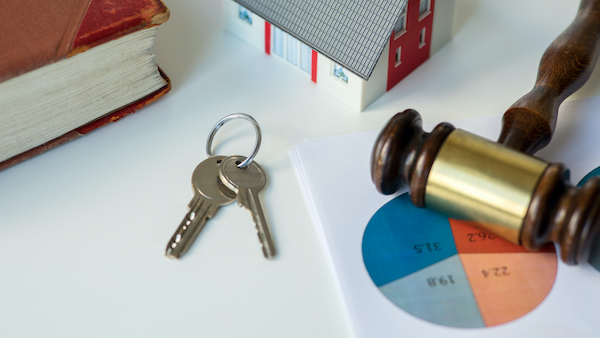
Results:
<point x="267" y="37"/>
<point x="412" y="55"/>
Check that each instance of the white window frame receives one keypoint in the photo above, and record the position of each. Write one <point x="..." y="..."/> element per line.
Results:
<point x="427" y="10"/>
<point x="250" y="19"/>
<point x="422" y="36"/>
<point x="403" y="19"/>
<point x="338" y="79"/>
<point x="398" y="56"/>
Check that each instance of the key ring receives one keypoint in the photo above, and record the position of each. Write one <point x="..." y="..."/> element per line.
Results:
<point x="226" y="119"/>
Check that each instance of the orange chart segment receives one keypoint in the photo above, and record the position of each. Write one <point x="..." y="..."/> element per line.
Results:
<point x="508" y="285"/>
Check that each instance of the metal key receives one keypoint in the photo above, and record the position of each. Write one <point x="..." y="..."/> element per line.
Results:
<point x="247" y="182"/>
<point x="209" y="195"/>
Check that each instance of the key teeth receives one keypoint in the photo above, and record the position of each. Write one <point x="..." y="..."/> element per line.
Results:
<point x="168" y="253"/>
<point x="262" y="238"/>
<point x="200" y="211"/>
<point x="251" y="201"/>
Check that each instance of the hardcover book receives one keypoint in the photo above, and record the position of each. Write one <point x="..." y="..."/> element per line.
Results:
<point x="68" y="67"/>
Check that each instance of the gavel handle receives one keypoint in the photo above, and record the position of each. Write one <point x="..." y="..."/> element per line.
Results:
<point x="566" y="65"/>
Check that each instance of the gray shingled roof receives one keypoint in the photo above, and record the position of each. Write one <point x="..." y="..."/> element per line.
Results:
<point x="353" y="33"/>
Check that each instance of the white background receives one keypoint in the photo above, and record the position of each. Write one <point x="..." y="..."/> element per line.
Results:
<point x="83" y="227"/>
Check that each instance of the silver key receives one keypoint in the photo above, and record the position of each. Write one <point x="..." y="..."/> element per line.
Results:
<point x="209" y="195"/>
<point x="246" y="183"/>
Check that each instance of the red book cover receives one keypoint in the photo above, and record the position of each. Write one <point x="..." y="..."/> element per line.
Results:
<point x="54" y="30"/>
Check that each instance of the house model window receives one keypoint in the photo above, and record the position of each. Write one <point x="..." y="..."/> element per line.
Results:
<point x="424" y="8"/>
<point x="244" y="14"/>
<point x="422" y="38"/>
<point x="340" y="72"/>
<point x="289" y="48"/>
<point x="292" y="50"/>
<point x="398" y="56"/>
<point x="305" y="58"/>
<point x="278" y="42"/>
<point x="400" y="27"/>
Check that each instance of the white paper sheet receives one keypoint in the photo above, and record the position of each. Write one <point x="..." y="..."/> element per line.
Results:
<point x="334" y="173"/>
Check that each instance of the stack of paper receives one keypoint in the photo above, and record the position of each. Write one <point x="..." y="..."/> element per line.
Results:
<point x="334" y="173"/>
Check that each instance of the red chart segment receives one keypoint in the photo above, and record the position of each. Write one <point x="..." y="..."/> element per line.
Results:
<point x="508" y="285"/>
<point x="469" y="239"/>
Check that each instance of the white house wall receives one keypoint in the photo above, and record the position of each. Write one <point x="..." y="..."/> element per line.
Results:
<point x="350" y="93"/>
<point x="377" y="84"/>
<point x="253" y="34"/>
<point x="443" y="19"/>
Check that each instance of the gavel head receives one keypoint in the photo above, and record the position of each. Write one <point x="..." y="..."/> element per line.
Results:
<point x="516" y="196"/>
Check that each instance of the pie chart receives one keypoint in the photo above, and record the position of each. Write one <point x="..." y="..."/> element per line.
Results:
<point x="447" y="272"/>
<point x="595" y="255"/>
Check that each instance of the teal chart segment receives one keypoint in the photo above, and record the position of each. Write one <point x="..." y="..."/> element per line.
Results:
<point x="595" y="255"/>
<point x="451" y="307"/>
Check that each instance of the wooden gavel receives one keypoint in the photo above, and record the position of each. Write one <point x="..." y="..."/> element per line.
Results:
<point x="500" y="186"/>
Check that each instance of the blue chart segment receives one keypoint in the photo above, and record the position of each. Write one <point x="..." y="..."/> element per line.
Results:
<point x="449" y="273"/>
<point x="425" y="239"/>
<point x="595" y="255"/>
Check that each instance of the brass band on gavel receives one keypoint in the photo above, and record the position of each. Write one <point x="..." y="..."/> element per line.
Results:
<point x="478" y="180"/>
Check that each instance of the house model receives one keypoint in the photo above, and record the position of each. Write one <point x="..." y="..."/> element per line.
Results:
<point x="355" y="49"/>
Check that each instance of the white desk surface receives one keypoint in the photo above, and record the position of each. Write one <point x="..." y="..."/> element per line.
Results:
<point x="83" y="227"/>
